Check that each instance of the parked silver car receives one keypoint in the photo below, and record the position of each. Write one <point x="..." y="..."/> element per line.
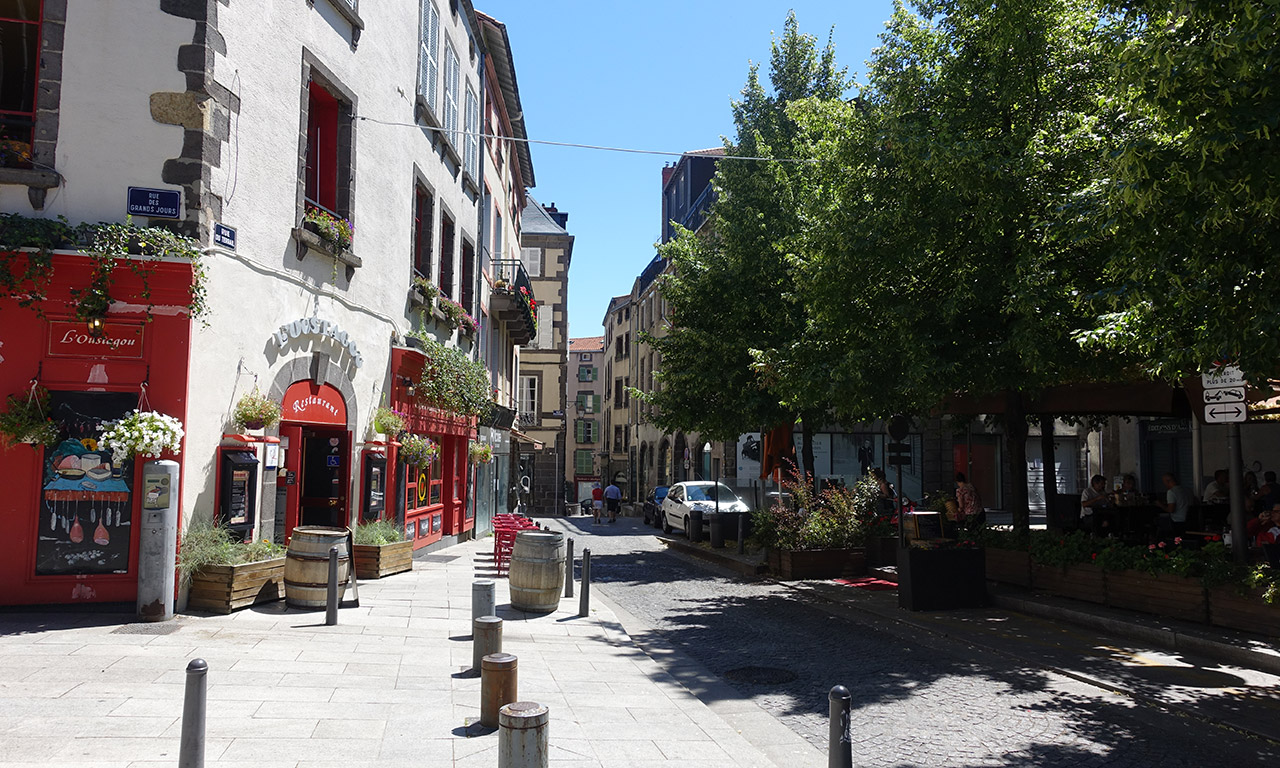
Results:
<point x="696" y="494"/>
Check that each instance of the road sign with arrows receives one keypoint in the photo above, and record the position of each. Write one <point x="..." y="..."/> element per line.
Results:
<point x="1224" y="396"/>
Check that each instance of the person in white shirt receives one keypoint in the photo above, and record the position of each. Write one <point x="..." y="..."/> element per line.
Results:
<point x="1177" y="503"/>
<point x="1218" y="491"/>
<point x="1093" y="503"/>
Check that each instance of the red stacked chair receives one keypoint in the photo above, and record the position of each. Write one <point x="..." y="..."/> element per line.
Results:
<point x="505" y="528"/>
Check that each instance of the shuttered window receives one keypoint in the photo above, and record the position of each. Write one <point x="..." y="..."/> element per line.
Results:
<point x="429" y="55"/>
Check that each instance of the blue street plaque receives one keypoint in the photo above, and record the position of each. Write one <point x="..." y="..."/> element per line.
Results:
<point x="156" y="203"/>
<point x="224" y="236"/>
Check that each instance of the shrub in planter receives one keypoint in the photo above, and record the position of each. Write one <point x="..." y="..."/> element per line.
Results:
<point x="25" y="420"/>
<point x="224" y="574"/>
<point x="388" y="421"/>
<point x="256" y="411"/>
<point x="380" y="549"/>
<point x="814" y="535"/>
<point x="336" y="232"/>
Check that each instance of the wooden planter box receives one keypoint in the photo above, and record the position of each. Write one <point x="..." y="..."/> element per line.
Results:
<point x="882" y="551"/>
<point x="1081" y="581"/>
<point x="225" y="588"/>
<point x="791" y="564"/>
<point x="1174" y="596"/>
<point x="1009" y="566"/>
<point x="373" y="561"/>
<point x="1229" y="607"/>
<point x="939" y="579"/>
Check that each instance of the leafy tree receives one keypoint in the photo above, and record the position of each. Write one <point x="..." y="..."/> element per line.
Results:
<point x="1193" y="194"/>
<point x="730" y="286"/>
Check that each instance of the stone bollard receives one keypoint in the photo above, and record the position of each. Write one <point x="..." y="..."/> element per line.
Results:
<point x="584" y="599"/>
<point x="483" y="602"/>
<point x="331" y="597"/>
<point x="191" y="746"/>
<point x="568" y="567"/>
<point x="742" y="533"/>
<point x="522" y="735"/>
<point x="498" y="685"/>
<point x="486" y="638"/>
<point x="840" y="748"/>
<point x="695" y="526"/>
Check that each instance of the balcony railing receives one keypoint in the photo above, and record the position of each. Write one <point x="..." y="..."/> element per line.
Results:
<point x="527" y="420"/>
<point x="698" y="211"/>
<point x="513" y="301"/>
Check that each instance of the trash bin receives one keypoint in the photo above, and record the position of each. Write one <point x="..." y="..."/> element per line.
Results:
<point x="695" y="526"/>
<point x="717" y="529"/>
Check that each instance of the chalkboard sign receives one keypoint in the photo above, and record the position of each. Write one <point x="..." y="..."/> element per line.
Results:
<point x="86" y="498"/>
<point x="924" y="525"/>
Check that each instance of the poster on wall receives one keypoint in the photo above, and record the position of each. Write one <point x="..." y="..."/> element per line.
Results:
<point x="86" y="499"/>
<point x="749" y="450"/>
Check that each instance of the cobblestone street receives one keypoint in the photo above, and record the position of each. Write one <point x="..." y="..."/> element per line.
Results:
<point x="918" y="701"/>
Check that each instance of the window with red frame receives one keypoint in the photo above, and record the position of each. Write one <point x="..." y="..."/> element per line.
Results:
<point x="468" y="277"/>
<point x="322" y="149"/>
<point x="20" y="22"/>
<point x="423" y="211"/>
<point x="446" y="256"/>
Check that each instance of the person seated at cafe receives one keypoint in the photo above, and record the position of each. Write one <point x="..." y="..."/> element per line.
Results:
<point x="1251" y="491"/>
<point x="1128" y="495"/>
<point x="968" y="502"/>
<point x="1269" y="492"/>
<point x="1256" y="525"/>
<point x="1177" y="502"/>
<point x="1093" y="506"/>
<point x="1218" y="491"/>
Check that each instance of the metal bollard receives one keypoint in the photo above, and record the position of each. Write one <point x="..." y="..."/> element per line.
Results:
<point x="568" y="568"/>
<point x="742" y="532"/>
<point x="191" y="747"/>
<point x="584" y="600"/>
<point x="522" y="735"/>
<point x="486" y="638"/>
<point x="840" y="749"/>
<point x="483" y="602"/>
<point x="331" y="600"/>
<point x="498" y="685"/>
<point x="695" y="526"/>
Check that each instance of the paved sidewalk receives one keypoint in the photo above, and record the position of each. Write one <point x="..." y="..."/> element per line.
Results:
<point x="383" y="688"/>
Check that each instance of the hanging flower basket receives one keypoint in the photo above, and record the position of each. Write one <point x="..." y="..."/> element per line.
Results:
<point x="479" y="453"/>
<point x="388" y="421"/>
<point x="256" y="411"/>
<point x="417" y="451"/>
<point x="25" y="420"/>
<point x="142" y="433"/>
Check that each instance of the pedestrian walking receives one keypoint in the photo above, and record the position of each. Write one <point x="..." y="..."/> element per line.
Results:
<point x="597" y="501"/>
<point x="613" y="499"/>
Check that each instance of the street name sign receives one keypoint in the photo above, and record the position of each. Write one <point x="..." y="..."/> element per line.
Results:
<point x="224" y="236"/>
<point x="155" y="203"/>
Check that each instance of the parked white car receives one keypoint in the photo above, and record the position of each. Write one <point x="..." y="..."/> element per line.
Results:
<point x="696" y="494"/>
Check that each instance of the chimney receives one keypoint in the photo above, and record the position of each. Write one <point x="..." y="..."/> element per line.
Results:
<point x="667" y="171"/>
<point x="557" y="216"/>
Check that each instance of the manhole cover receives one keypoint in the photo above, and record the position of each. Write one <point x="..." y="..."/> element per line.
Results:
<point x="157" y="628"/>
<point x="761" y="675"/>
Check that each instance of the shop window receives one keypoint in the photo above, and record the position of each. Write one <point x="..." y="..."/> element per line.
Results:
<point x="429" y="57"/>
<point x="445" y="284"/>
<point x="468" y="288"/>
<point x="20" y="23"/>
<point x="423" y="211"/>
<point x="583" y="461"/>
<point x="436" y="493"/>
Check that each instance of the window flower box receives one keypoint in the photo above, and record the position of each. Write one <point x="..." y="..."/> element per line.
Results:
<point x="1080" y="581"/>
<point x="373" y="561"/>
<point x="796" y="564"/>
<point x="225" y="588"/>
<point x="1009" y="566"/>
<point x="1177" y="597"/>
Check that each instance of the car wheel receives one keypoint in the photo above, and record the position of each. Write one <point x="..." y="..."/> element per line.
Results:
<point x="666" y="524"/>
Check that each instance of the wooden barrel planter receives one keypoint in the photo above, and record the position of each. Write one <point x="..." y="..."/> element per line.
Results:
<point x="537" y="571"/>
<point x="373" y="561"/>
<point x="225" y="588"/>
<point x="794" y="564"/>
<point x="1080" y="581"/>
<point x="1009" y="566"/>
<point x="306" y="567"/>
<point x="1164" y="594"/>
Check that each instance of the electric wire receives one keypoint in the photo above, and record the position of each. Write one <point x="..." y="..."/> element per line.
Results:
<point x="575" y="145"/>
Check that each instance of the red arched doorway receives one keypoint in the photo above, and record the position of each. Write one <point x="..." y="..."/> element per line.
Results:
<point x="317" y="460"/>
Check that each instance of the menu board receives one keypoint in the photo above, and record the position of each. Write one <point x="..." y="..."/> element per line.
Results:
<point x="86" y="499"/>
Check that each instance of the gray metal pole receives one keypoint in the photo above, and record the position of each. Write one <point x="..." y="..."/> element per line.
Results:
<point x="840" y="747"/>
<point x="486" y="638"/>
<point x="191" y="746"/>
<point x="522" y="735"/>
<point x="1239" y="536"/>
<point x="568" y="568"/>
<point x="483" y="601"/>
<point x="742" y="532"/>
<point x="584" y="599"/>
<point x="331" y="600"/>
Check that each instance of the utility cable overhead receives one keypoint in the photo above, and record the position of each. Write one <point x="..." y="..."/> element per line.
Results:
<point x="574" y="145"/>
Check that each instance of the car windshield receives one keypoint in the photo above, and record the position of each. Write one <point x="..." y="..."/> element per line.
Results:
<point x="660" y="493"/>
<point x="708" y="493"/>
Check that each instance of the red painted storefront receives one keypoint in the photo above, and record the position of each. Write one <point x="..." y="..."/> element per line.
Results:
<point x="68" y="516"/>
<point x="432" y="501"/>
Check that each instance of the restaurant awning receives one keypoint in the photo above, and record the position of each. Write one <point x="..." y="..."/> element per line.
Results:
<point x="522" y="437"/>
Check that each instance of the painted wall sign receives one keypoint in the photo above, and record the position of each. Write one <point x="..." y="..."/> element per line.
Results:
<point x="314" y="403"/>
<point x="156" y="203"/>
<point x="224" y="236"/>
<point x="118" y="341"/>
<point x="314" y="326"/>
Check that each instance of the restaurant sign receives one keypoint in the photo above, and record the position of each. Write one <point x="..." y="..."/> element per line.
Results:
<point x="117" y="341"/>
<point x="315" y="327"/>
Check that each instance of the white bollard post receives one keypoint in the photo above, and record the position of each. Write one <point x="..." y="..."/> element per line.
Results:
<point x="483" y="602"/>
<point x="522" y="735"/>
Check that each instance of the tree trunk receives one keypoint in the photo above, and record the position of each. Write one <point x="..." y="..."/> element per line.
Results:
<point x="1050" y="473"/>
<point x="806" y="429"/>
<point x="1016" y="437"/>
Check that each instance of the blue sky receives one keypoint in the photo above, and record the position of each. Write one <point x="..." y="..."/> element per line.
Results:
<point x="654" y="75"/>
